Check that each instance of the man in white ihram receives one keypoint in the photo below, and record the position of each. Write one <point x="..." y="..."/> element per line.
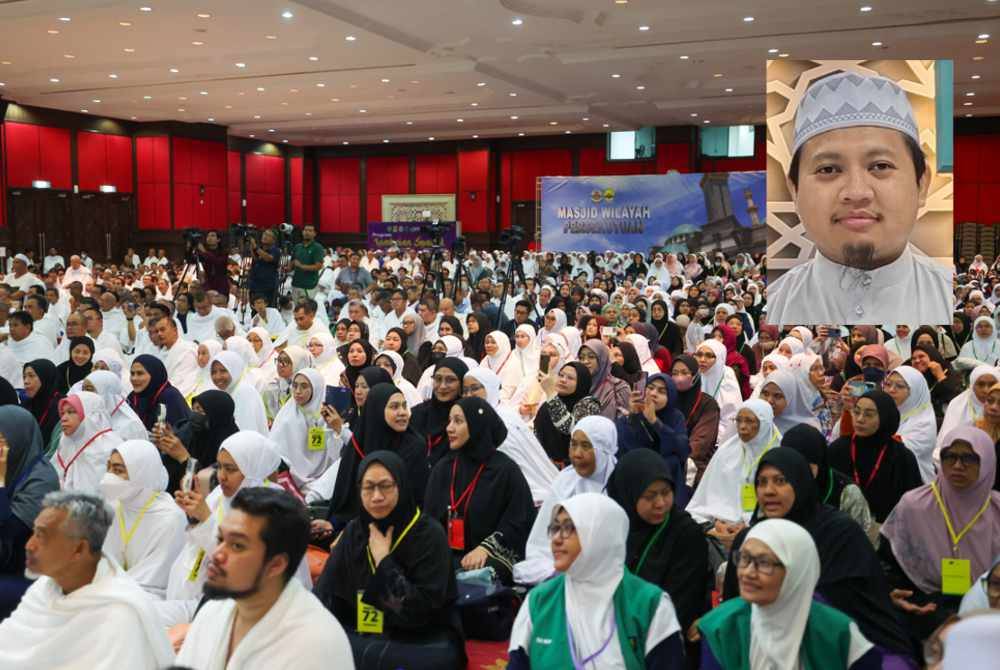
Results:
<point x="858" y="178"/>
<point x="85" y="612"/>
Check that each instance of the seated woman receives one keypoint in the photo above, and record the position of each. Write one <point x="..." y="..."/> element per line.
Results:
<point x="555" y="417"/>
<point x="227" y="375"/>
<point x="389" y="579"/>
<point x="851" y="577"/>
<point x="595" y="613"/>
<point x="397" y="340"/>
<point x="499" y="360"/>
<point x="43" y="400"/>
<point x="393" y="363"/>
<point x="447" y="346"/>
<point x="611" y="393"/>
<point x="264" y="356"/>
<point x="786" y="392"/>
<point x="985" y="593"/>
<point x="478" y="494"/>
<point x="917" y="425"/>
<point x="943" y="534"/>
<point x="148" y="531"/>
<point x="212" y="421"/>
<point x="124" y="421"/>
<point x="203" y="380"/>
<point x="290" y="360"/>
<point x="983" y="346"/>
<point x="78" y="366"/>
<point x="967" y="407"/>
<point x="775" y="623"/>
<point x="592" y="450"/>
<point x="872" y="458"/>
<point x="665" y="545"/>
<point x="356" y="356"/>
<point x="944" y="382"/>
<point x="362" y="384"/>
<point x="150" y="389"/>
<point x="521" y="443"/>
<point x="86" y="442"/>
<point x="655" y="423"/>
<point x="323" y="349"/>
<point x="26" y="478"/>
<point x="701" y="412"/>
<point x="430" y="418"/>
<point x="251" y="373"/>
<point x="719" y="382"/>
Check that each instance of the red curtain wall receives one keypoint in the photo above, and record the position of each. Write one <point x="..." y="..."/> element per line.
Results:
<point x="153" y="176"/>
<point x="473" y="190"/>
<point x="977" y="179"/>
<point x="387" y="175"/>
<point x="265" y="190"/>
<point x="234" y="199"/>
<point x="104" y="159"/>
<point x="309" y="191"/>
<point x="339" y="195"/>
<point x="38" y="152"/>
<point x="200" y="176"/>
<point x="295" y="166"/>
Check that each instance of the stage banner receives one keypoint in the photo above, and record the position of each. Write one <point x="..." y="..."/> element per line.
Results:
<point x="680" y="213"/>
<point x="408" y="234"/>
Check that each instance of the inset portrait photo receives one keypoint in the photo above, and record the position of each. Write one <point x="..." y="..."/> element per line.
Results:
<point x="859" y="190"/>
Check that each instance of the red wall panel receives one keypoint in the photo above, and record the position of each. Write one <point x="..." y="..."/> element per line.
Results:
<point x="387" y="175"/>
<point x="309" y="191"/>
<point x="3" y="176"/>
<point x="120" y="162"/>
<point x="757" y="162"/>
<point x="527" y="166"/>
<point x="436" y="174"/>
<point x="234" y="161"/>
<point x="265" y="189"/>
<point x="38" y="152"/>
<point x="676" y="156"/>
<point x="153" y="175"/>
<point x="295" y="176"/>
<point x="593" y="163"/>
<point x="967" y="202"/>
<point x="473" y="190"/>
<point x="104" y="159"/>
<point x="340" y="200"/>
<point x="200" y="176"/>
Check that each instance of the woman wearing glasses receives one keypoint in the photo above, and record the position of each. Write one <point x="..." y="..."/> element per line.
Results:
<point x="430" y="418"/>
<point x="943" y="534"/>
<point x="917" y="422"/>
<point x="873" y="458"/>
<point x="595" y="613"/>
<point x="776" y="623"/>
<point x="610" y="392"/>
<point x="389" y="580"/>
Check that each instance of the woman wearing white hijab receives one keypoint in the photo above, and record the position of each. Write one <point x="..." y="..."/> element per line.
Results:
<point x="525" y="360"/>
<point x="574" y="340"/>
<point x="246" y="459"/>
<point x="790" y="346"/>
<point x="726" y="492"/>
<point x="148" y="532"/>
<point x="323" y="348"/>
<point x="228" y="375"/>
<point x="555" y="321"/>
<point x="264" y="355"/>
<point x="417" y="337"/>
<point x="768" y="366"/>
<point x="288" y="362"/>
<point x="295" y="425"/>
<point x="125" y="423"/>
<point x="241" y="346"/>
<point x="395" y="368"/>
<point x="503" y="364"/>
<point x="521" y="444"/>
<point x="203" y="382"/>
<point x="917" y="424"/>
<point x="967" y="407"/>
<point x="719" y="381"/>
<point x="576" y="620"/>
<point x="641" y="345"/>
<point x="983" y="346"/>
<point x="787" y="394"/>
<point x="111" y="360"/>
<point x="802" y="334"/>
<point x="592" y="448"/>
<point x="786" y="629"/>
<point x="85" y="444"/>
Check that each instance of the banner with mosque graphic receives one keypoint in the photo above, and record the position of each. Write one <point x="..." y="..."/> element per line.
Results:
<point x="673" y="212"/>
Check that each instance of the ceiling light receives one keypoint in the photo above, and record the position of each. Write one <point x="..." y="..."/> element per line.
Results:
<point x="747" y="19"/>
<point x="694" y="113"/>
<point x="287" y="14"/>
<point x="68" y="56"/>
<point x="976" y="58"/>
<point x="112" y="76"/>
<point x="320" y="85"/>
<point x="586" y="118"/>
<point x="252" y="135"/>
<point x="211" y="119"/>
<point x="414" y="81"/>
<point x="621" y="2"/>
<point x="334" y="99"/>
<point x="967" y="104"/>
<point x="605" y="125"/>
<point x="970" y="94"/>
<point x="482" y="83"/>
<point x="968" y="116"/>
<point x="640" y="87"/>
<point x="876" y="44"/>
<point x="516" y="22"/>
<point x="4" y="62"/>
<point x="350" y="38"/>
<point x="285" y="141"/>
<point x="706" y="121"/>
<point x="284" y="104"/>
<point x="569" y="132"/>
<point x="729" y="90"/>
<point x="520" y="134"/>
<point x="785" y="55"/>
<point x="983" y="36"/>
<point x="409" y="123"/>
<point x="459" y="120"/>
<point x="976" y="76"/>
<point x="685" y="57"/>
<point x="174" y="70"/>
<point x="431" y="138"/>
<point x="256" y="116"/>
<point x="54" y="80"/>
<point x="270" y="130"/>
<point x="616" y="76"/>
<point x="643" y="28"/>
<point x="96" y="100"/>
<point x="513" y="117"/>
<point x="345" y="142"/>
<point x="473" y="104"/>
<point x="385" y="141"/>
<point x="384" y="80"/>
<point x="241" y="65"/>
<point x="553" y="123"/>
<point x="182" y="98"/>
<point x="718" y="75"/>
<point x="145" y="9"/>
<point x="181" y="109"/>
<point x="309" y="113"/>
<point x="773" y="51"/>
<point x="271" y="37"/>
<point x="865" y="8"/>
<point x="134" y="118"/>
<point x="512" y="94"/>
<point x="197" y="43"/>
<point x="293" y="90"/>
<point x="65" y="19"/>
<point x="314" y="58"/>
<point x="125" y="24"/>
<point x="982" y="41"/>
<point x="85" y="110"/>
<point x="204" y="16"/>
<point x="129" y="50"/>
<point x="260" y="89"/>
<point x="147" y="97"/>
<point x="53" y="32"/>
<point x="475" y="137"/>
<point x="363" y="111"/>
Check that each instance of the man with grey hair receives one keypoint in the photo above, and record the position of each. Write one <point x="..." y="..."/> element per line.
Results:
<point x="83" y="611"/>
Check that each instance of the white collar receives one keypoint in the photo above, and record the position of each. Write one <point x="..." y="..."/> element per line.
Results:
<point x="848" y="278"/>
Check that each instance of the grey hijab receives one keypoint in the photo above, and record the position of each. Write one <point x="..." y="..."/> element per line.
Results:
<point x="30" y="475"/>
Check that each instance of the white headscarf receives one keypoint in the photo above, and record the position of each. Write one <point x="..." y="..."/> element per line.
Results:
<point x="114" y="361"/>
<point x="805" y="334"/>
<point x="403" y="384"/>
<point x="797" y="409"/>
<point x="964" y="408"/>
<point x="526" y="358"/>
<point x="267" y="352"/>
<point x="328" y="363"/>
<point x="641" y="345"/>
<point x="498" y="361"/>
<point x="972" y="641"/>
<point x="917" y="423"/>
<point x="290" y="432"/>
<point x="778" y="361"/>
<point x="250" y="414"/>
<point x="718" y="495"/>
<point x="983" y="349"/>
<point x="574" y="340"/>
<point x="124" y="421"/>
<point x="560" y="316"/>
<point x="794" y="343"/>
<point x="712" y="380"/>
<point x="204" y="379"/>
<point x="85" y="472"/>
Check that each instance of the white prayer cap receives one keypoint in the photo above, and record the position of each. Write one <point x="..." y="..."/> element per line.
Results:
<point x="849" y="99"/>
<point x="24" y="259"/>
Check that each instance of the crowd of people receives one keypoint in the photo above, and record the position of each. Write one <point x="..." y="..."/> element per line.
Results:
<point x="612" y="462"/>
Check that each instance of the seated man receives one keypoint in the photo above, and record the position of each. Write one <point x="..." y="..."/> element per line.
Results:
<point x="84" y="612"/>
<point x="258" y="616"/>
<point x="305" y="325"/>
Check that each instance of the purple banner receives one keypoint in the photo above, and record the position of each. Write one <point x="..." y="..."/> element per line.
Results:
<point x="407" y="235"/>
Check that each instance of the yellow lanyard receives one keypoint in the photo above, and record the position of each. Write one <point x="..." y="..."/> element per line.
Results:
<point x="371" y="562"/>
<point x="913" y="411"/>
<point x="126" y="535"/>
<point x="767" y="448"/>
<point x="955" y="539"/>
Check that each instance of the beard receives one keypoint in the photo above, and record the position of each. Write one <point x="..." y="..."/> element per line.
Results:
<point x="860" y="256"/>
<point x="221" y="593"/>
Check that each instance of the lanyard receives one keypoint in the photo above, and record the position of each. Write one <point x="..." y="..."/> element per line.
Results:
<point x="721" y="379"/>
<point x="118" y="406"/>
<point x="357" y="448"/>
<point x="66" y="466"/>
<point x="649" y="545"/>
<point x="829" y="488"/>
<point x="371" y="561"/>
<point x="579" y="665"/>
<point x="433" y="443"/>
<point x="467" y="494"/>
<point x="126" y="535"/>
<point x="767" y="448"/>
<point x="152" y="403"/>
<point x="504" y="362"/>
<point x="854" y="464"/>
<point x="914" y="411"/>
<point x="955" y="539"/>
<point x="697" y="402"/>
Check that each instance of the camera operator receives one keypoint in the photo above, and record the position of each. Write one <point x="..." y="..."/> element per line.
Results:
<point x="263" y="278"/>
<point x="213" y="261"/>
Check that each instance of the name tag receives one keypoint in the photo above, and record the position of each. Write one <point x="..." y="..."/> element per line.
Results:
<point x="748" y="497"/>
<point x="317" y="439"/>
<point x="369" y="618"/>
<point x="456" y="533"/>
<point x="956" y="576"/>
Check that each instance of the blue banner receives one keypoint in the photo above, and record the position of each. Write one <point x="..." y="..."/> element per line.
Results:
<point x="652" y="213"/>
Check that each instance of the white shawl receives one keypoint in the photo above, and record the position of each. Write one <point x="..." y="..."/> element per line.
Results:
<point x="250" y="414"/>
<point x="917" y="424"/>
<point x="82" y="470"/>
<point x="290" y="433"/>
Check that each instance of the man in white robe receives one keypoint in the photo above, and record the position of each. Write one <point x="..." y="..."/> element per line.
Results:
<point x="19" y="278"/>
<point x="201" y="322"/>
<point x="859" y="179"/>
<point x="257" y="609"/>
<point x="304" y="326"/>
<point x="24" y="343"/>
<point x="95" y="329"/>
<point x="51" y="260"/>
<point x="77" y="271"/>
<point x="45" y="324"/>
<point x="265" y="317"/>
<point x="179" y="356"/>
<point x="84" y="612"/>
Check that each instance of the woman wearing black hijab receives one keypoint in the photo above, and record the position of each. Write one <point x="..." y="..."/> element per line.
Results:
<point x="211" y="422"/>
<point x="666" y="547"/>
<point x="572" y="402"/>
<point x="385" y="425"/>
<point x="371" y="376"/>
<point x="669" y="333"/>
<point x="630" y="369"/>
<point x="352" y="371"/>
<point x="960" y="330"/>
<point x="478" y="494"/>
<point x="411" y="368"/>
<point x="425" y="354"/>
<point x="43" y="399"/>
<point x="78" y="366"/>
<point x="430" y="418"/>
<point x="700" y="410"/>
<point x="851" y="577"/>
<point x="880" y="465"/>
<point x="8" y="396"/>
<point x="152" y="388"/>
<point x="834" y="488"/>
<point x="395" y="559"/>
<point x="475" y="346"/>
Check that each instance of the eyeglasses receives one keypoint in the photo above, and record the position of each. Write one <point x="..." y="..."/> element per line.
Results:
<point x="704" y="354"/>
<point x="651" y="496"/>
<point x="385" y="488"/>
<point x="761" y="564"/>
<point x="472" y="389"/>
<point x="867" y="414"/>
<point x="564" y="530"/>
<point x="894" y="386"/>
<point x="968" y="460"/>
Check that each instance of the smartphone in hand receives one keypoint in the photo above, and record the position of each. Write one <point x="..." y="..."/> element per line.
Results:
<point x="543" y="363"/>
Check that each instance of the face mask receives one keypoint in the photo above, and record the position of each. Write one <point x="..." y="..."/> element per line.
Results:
<point x="115" y="488"/>
<point x="683" y="383"/>
<point x="199" y="422"/>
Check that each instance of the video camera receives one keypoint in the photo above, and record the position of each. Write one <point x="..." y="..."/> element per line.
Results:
<point x="193" y="236"/>
<point x="241" y="231"/>
<point x="512" y="237"/>
<point x="434" y="230"/>
<point x="288" y="235"/>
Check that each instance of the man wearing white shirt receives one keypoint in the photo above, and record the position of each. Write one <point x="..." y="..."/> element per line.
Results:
<point x="45" y="325"/>
<point x="370" y="261"/>
<point x="180" y="357"/>
<point x="76" y="326"/>
<point x="25" y="344"/>
<point x="428" y="312"/>
<point x="115" y="321"/>
<point x="52" y="260"/>
<point x="303" y="327"/>
<point x="87" y="261"/>
<point x="151" y="259"/>
<point x="201" y="322"/>
<point x="77" y="272"/>
<point x="266" y="317"/>
<point x="95" y="329"/>
<point x="20" y="279"/>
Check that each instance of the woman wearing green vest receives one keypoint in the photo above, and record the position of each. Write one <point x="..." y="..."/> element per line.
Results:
<point x="775" y="624"/>
<point x="595" y="613"/>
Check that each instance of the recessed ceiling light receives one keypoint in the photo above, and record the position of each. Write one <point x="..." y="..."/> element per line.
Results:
<point x="409" y="123"/>
<point x="147" y="97"/>
<point x="782" y="55"/>
<point x="350" y="38"/>
<point x="616" y="76"/>
<point x="53" y="32"/>
<point x="320" y="85"/>
<point x="252" y="135"/>
<point x="975" y="58"/>
<point x="482" y="83"/>
<point x="145" y="9"/>
<point x="473" y="104"/>
<point x="553" y="123"/>
<point x="345" y="142"/>
<point x="181" y="109"/>
<point x="363" y="111"/>
<point x="475" y="137"/>
<point x="112" y="76"/>
<point x="287" y="14"/>
<point x="640" y="87"/>
<point x="334" y="99"/>
<point x="982" y="41"/>
<point x="256" y="116"/>
<point x="314" y="58"/>
<point x="520" y="134"/>
<point x="125" y="24"/>
<point x="983" y="36"/>
<point x="706" y="121"/>
<point x="414" y="81"/>
<point x="211" y="118"/>
<point x="129" y="50"/>
<point x="512" y="94"/>
<point x="431" y="138"/>
<point x="385" y="141"/>
<point x="865" y="8"/>
<point x="96" y="100"/>
<point x="976" y="76"/>
<point x="293" y="90"/>
<point x="134" y="118"/>
<point x="54" y="80"/>
<point x="309" y="113"/>
<point x="270" y="37"/>
<point x="85" y="110"/>
<point x="270" y="130"/>
<point x="198" y="43"/>
<point x="876" y="44"/>
<point x="968" y="116"/>
<point x="967" y="104"/>
<point x="4" y="62"/>
<point x="68" y="56"/>
<point x="204" y="16"/>
<point x="260" y="89"/>
<point x="970" y="94"/>
<point x="694" y="114"/>
<point x="621" y="2"/>
<point x="459" y="120"/>
<point x="586" y="118"/>
<point x="513" y="117"/>
<point x="773" y="51"/>
<point x="284" y="141"/>
<point x="685" y="57"/>
<point x="748" y="19"/>
<point x="385" y="81"/>
<point x="241" y="65"/>
<point x="65" y="19"/>
<point x="605" y="125"/>
<point x="174" y="70"/>
<point x="643" y="28"/>
<point x="516" y="21"/>
<point x="182" y="98"/>
<point x="569" y="132"/>
<point x="284" y="104"/>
